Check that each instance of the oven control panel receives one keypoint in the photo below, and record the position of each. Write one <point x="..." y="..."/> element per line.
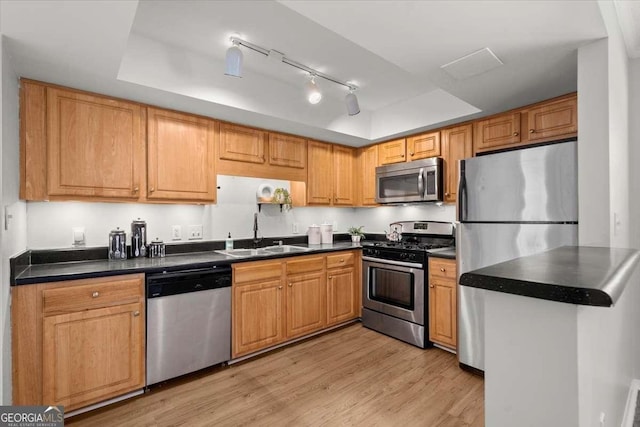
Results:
<point x="395" y="254"/>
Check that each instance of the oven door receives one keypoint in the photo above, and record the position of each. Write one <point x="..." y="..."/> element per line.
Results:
<point x="395" y="288"/>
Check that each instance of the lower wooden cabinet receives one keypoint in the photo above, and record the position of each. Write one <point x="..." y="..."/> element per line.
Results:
<point x="78" y="342"/>
<point x="443" y="302"/>
<point x="279" y="300"/>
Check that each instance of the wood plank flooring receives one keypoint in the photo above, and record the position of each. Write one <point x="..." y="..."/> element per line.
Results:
<point x="349" y="377"/>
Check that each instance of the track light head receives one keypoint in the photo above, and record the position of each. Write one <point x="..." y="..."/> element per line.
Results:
<point x="313" y="91"/>
<point x="233" y="61"/>
<point x="352" y="103"/>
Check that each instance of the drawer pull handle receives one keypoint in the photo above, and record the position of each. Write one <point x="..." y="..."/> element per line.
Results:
<point x="443" y="269"/>
<point x="95" y="294"/>
<point x="136" y="313"/>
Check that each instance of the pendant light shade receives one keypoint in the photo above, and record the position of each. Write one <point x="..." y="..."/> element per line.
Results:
<point x="313" y="91"/>
<point x="233" y="61"/>
<point x="352" y="103"/>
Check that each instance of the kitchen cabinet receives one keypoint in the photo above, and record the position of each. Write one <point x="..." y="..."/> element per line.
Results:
<point x="392" y="152"/>
<point x="542" y="122"/>
<point x="443" y="302"/>
<point x="245" y="151"/>
<point x="306" y="295"/>
<point x="456" y="145"/>
<point x="258" y="302"/>
<point x="366" y="188"/>
<point x="94" y="146"/>
<point x="330" y="181"/>
<point x="275" y="301"/>
<point x="343" y="288"/>
<point x="78" y="342"/>
<point x="423" y="146"/>
<point x="181" y="157"/>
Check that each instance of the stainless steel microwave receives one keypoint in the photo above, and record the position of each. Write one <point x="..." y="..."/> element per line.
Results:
<point x="410" y="182"/>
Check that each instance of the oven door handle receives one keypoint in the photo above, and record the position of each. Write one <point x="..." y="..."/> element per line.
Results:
<point x="388" y="261"/>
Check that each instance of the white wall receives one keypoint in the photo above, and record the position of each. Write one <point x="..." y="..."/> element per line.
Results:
<point x="14" y="237"/>
<point x="49" y="224"/>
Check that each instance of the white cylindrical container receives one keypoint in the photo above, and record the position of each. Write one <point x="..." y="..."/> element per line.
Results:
<point x="326" y="230"/>
<point x="314" y="235"/>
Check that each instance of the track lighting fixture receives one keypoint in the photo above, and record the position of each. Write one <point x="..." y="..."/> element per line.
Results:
<point x="233" y="67"/>
<point x="233" y="61"/>
<point x="313" y="91"/>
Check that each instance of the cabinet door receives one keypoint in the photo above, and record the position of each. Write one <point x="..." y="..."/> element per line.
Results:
<point x="553" y="120"/>
<point x="423" y="146"/>
<point x="456" y="145"/>
<point x="343" y="159"/>
<point x="95" y="146"/>
<point x="181" y="158"/>
<point x="241" y="143"/>
<point x="92" y="355"/>
<point x="392" y="152"/>
<point x="320" y="179"/>
<point x="306" y="303"/>
<point x="442" y="311"/>
<point x="497" y="132"/>
<point x="342" y="295"/>
<point x="257" y="316"/>
<point x="368" y="164"/>
<point x="286" y="150"/>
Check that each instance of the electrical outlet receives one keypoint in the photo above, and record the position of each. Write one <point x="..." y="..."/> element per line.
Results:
<point x="78" y="236"/>
<point x="195" y="232"/>
<point x="176" y="232"/>
<point x="295" y="228"/>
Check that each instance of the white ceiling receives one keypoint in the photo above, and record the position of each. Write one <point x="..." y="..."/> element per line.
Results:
<point x="171" y="54"/>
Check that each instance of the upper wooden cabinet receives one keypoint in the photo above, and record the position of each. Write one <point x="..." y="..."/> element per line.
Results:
<point x="366" y="187"/>
<point x="545" y="121"/>
<point x="392" y="152"/>
<point x="456" y="145"/>
<point x="95" y="146"/>
<point x="181" y="157"/>
<point x="423" y="146"/>
<point x="330" y="178"/>
<point x="496" y="132"/>
<point x="245" y="151"/>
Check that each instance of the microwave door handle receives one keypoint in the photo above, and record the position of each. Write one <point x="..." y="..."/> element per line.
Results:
<point x="421" y="183"/>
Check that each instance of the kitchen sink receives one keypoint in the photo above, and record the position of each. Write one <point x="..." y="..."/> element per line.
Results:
<point x="269" y="250"/>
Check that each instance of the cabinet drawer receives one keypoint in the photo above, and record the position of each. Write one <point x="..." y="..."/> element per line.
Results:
<point x="102" y="293"/>
<point x="253" y="271"/>
<point x="442" y="268"/>
<point x="305" y="264"/>
<point x="341" y="259"/>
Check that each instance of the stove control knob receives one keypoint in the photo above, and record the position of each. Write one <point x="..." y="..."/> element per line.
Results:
<point x="403" y="255"/>
<point x="412" y="257"/>
<point x="376" y="252"/>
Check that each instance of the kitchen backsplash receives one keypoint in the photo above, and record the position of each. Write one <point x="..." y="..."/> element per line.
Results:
<point x="50" y="224"/>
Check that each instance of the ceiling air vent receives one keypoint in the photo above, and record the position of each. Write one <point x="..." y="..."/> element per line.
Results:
<point x="473" y="64"/>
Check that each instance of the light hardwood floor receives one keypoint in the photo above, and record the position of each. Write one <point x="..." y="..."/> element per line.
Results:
<point x="349" y="377"/>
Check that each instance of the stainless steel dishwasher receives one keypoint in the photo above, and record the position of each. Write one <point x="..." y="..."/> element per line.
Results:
<point x="188" y="321"/>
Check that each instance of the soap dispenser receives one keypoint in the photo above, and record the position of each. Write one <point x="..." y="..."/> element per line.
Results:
<point x="228" y="244"/>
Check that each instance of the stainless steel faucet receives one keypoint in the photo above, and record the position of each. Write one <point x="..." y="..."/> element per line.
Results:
<point x="256" y="240"/>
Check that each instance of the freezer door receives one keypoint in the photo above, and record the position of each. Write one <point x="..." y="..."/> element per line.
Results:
<point x="535" y="184"/>
<point x="481" y="245"/>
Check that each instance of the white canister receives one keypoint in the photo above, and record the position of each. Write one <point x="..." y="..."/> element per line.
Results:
<point x="326" y="230"/>
<point x="314" y="234"/>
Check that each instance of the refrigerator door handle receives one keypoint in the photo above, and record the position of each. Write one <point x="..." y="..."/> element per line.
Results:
<point x="421" y="183"/>
<point x="462" y="193"/>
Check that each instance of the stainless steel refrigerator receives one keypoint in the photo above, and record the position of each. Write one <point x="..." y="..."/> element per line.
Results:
<point x="510" y="204"/>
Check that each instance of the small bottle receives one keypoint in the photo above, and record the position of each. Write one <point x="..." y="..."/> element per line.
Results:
<point x="228" y="244"/>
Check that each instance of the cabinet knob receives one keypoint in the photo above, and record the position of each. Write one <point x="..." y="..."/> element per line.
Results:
<point x="136" y="313"/>
<point x="402" y="155"/>
<point x="443" y="269"/>
<point x="531" y="131"/>
<point x="446" y="194"/>
<point x="95" y="295"/>
<point x="279" y="287"/>
<point x="411" y="154"/>
<point x="136" y="189"/>
<point x="290" y="285"/>
<point x="516" y="134"/>
<point x="330" y="277"/>
<point x="431" y="286"/>
<point x="341" y="260"/>
<point x="152" y="189"/>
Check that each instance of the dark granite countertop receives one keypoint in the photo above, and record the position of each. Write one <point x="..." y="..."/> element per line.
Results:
<point x="583" y="275"/>
<point x="449" y="253"/>
<point x="52" y="272"/>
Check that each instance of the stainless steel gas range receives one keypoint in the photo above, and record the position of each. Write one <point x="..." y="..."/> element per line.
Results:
<point x="394" y="276"/>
